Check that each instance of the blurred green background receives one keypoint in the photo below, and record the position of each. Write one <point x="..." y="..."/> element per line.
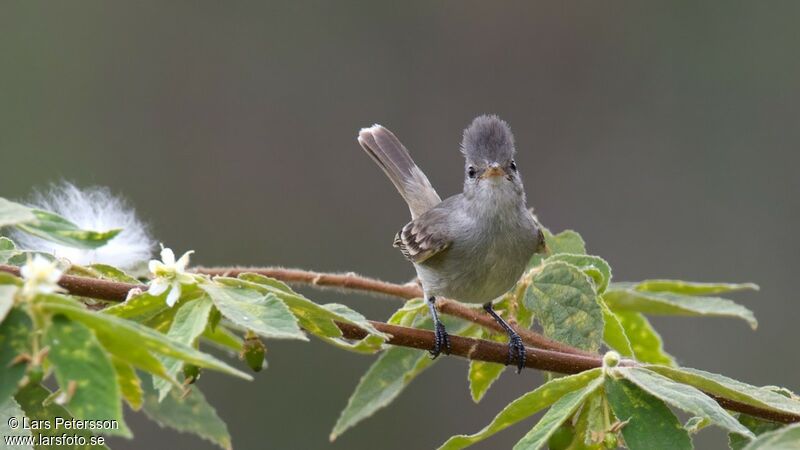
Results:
<point x="667" y="134"/>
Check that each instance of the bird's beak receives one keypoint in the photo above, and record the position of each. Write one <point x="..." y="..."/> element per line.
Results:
<point x="494" y="170"/>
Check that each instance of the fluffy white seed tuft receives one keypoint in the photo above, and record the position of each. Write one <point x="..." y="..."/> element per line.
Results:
<point x="94" y="208"/>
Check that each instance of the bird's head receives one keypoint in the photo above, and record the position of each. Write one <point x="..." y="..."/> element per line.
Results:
<point x="488" y="148"/>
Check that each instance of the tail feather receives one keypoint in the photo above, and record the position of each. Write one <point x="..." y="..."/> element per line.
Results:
<point x="395" y="161"/>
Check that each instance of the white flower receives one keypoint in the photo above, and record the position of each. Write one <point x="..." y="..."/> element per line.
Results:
<point x="41" y="276"/>
<point x="169" y="273"/>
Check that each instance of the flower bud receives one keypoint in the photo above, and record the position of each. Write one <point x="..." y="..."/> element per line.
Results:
<point x="253" y="351"/>
<point x="190" y="373"/>
<point x="611" y="359"/>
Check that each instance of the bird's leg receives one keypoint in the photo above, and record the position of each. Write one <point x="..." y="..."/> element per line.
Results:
<point x="441" y="340"/>
<point x="516" y="349"/>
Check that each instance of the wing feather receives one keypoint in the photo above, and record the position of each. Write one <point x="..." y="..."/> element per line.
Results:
<point x="425" y="236"/>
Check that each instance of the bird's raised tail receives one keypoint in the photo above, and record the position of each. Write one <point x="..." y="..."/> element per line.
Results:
<point x="393" y="158"/>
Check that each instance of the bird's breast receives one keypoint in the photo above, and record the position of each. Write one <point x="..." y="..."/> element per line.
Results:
<point x="483" y="262"/>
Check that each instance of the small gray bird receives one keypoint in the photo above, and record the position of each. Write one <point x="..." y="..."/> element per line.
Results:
<point x="474" y="246"/>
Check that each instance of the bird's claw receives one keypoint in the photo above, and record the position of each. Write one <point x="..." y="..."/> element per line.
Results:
<point x="516" y="351"/>
<point x="441" y="340"/>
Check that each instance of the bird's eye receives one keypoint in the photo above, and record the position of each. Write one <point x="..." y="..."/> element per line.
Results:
<point x="513" y="166"/>
<point x="471" y="172"/>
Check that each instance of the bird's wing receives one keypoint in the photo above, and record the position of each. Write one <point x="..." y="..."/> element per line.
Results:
<point x="424" y="236"/>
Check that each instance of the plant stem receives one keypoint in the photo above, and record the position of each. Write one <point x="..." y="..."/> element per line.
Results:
<point x="554" y="361"/>
<point x="115" y="291"/>
<point x="353" y="282"/>
<point x="349" y="280"/>
<point x="477" y="349"/>
<point x="89" y="287"/>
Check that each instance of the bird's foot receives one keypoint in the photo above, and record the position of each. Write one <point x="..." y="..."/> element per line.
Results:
<point x="516" y="351"/>
<point x="441" y="342"/>
<point x="516" y="348"/>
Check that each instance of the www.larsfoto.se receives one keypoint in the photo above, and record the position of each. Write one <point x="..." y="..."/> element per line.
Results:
<point x="63" y="439"/>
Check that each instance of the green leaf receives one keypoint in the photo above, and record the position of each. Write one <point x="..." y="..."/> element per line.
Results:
<point x="650" y="423"/>
<point x="271" y="284"/>
<point x="555" y="416"/>
<point x="567" y="241"/>
<point x="587" y="429"/>
<point x="528" y="405"/>
<point x="14" y="341"/>
<point x="407" y="314"/>
<point x="384" y="381"/>
<point x="786" y="392"/>
<point x="726" y="387"/>
<point x="190" y="321"/>
<point x="695" y="424"/>
<point x="619" y="298"/>
<point x="564" y="302"/>
<point x="266" y="314"/>
<point x="481" y="377"/>
<point x="55" y="228"/>
<point x="127" y="339"/>
<point x="35" y="401"/>
<point x="370" y="344"/>
<point x="11" y="409"/>
<point x="354" y="317"/>
<point x="614" y="333"/>
<point x="111" y="273"/>
<point x="129" y="350"/>
<point x="7" y="249"/>
<point x="7" y="294"/>
<point x="524" y="314"/>
<point x="683" y="397"/>
<point x="80" y="361"/>
<point x="565" y="437"/>
<point x="754" y="424"/>
<point x="591" y="427"/>
<point x="316" y="319"/>
<point x="692" y="288"/>
<point x="187" y="413"/>
<point x="786" y="438"/>
<point x="12" y="213"/>
<point x="22" y="257"/>
<point x="483" y="374"/>
<point x="223" y="338"/>
<point x="644" y="339"/>
<point x="7" y="278"/>
<point x="594" y="266"/>
<point x="129" y="383"/>
<point x="125" y="346"/>
<point x="163" y="320"/>
<point x="388" y="376"/>
<point x="139" y="308"/>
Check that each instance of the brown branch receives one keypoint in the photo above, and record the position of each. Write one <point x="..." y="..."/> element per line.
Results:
<point x="480" y="349"/>
<point x="351" y="281"/>
<point x="89" y="287"/>
<point x="116" y="291"/>
<point x="540" y="359"/>
<point x="456" y="309"/>
<point x="733" y="405"/>
<point x="477" y="349"/>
